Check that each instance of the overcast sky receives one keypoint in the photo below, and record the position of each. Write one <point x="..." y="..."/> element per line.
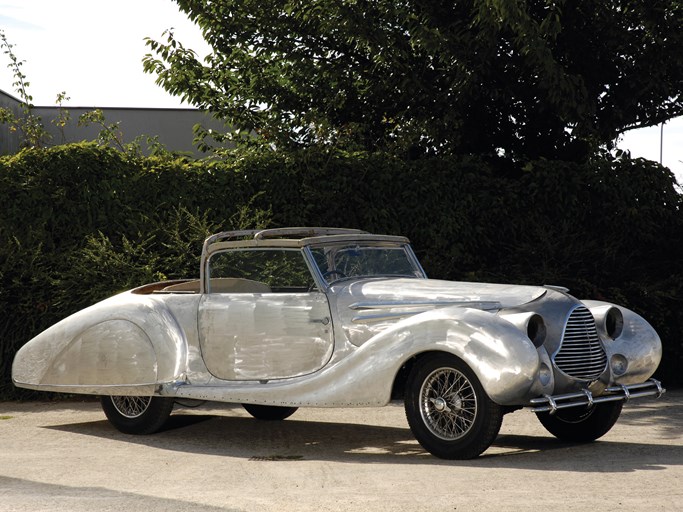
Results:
<point x="93" y="51"/>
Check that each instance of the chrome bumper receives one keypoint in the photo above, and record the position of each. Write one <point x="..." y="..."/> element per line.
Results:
<point x="585" y="398"/>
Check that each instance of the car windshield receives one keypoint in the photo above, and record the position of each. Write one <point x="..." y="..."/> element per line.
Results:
<point x="352" y="260"/>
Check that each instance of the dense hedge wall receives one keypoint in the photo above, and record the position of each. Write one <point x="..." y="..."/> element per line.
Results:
<point x="81" y="222"/>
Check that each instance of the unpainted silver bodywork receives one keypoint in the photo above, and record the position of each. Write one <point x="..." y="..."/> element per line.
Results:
<point x="337" y="344"/>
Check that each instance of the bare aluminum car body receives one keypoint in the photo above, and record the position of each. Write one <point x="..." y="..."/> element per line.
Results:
<point x="329" y="317"/>
<point x="340" y="344"/>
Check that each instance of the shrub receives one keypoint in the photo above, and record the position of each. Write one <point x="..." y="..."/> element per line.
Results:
<point x="81" y="222"/>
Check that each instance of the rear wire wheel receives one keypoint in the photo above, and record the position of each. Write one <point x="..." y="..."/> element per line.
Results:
<point x="269" y="412"/>
<point x="139" y="415"/>
<point x="448" y="410"/>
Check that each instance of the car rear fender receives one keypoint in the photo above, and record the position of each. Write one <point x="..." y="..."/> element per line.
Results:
<point x="128" y="344"/>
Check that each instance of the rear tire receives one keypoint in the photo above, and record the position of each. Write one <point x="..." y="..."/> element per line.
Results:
<point x="140" y="415"/>
<point x="582" y="425"/>
<point x="447" y="409"/>
<point x="269" y="412"/>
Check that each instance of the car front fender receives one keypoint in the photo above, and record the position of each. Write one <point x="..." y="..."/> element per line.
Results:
<point x="635" y="354"/>
<point x="503" y="358"/>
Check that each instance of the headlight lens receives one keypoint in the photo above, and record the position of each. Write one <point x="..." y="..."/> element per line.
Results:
<point x="619" y="364"/>
<point x="545" y="374"/>
<point x="614" y="323"/>
<point x="535" y="330"/>
<point x="532" y="324"/>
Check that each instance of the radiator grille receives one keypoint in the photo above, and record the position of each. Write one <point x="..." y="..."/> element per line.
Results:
<point x="581" y="355"/>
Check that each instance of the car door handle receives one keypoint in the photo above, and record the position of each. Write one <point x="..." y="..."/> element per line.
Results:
<point x="323" y="321"/>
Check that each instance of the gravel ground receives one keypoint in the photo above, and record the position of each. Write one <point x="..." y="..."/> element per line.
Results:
<point x="64" y="456"/>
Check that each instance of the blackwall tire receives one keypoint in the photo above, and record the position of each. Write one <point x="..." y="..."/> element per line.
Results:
<point x="582" y="425"/>
<point x="269" y="412"/>
<point x="140" y="415"/>
<point x="448" y="410"/>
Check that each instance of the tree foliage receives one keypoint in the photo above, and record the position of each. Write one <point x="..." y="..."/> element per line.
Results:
<point x="28" y="124"/>
<point x="530" y="78"/>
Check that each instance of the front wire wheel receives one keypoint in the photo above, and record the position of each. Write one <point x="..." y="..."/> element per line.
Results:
<point x="448" y="410"/>
<point x="137" y="414"/>
<point x="577" y="425"/>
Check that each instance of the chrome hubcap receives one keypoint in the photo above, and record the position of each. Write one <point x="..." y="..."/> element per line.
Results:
<point x="440" y="404"/>
<point x="448" y="403"/>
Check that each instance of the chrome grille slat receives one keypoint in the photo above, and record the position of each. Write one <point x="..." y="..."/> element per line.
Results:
<point x="582" y="364"/>
<point x="581" y="354"/>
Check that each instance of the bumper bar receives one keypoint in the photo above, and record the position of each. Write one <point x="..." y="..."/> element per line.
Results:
<point x="585" y="398"/>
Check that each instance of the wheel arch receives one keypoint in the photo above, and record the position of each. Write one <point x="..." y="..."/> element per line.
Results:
<point x="503" y="358"/>
<point x="401" y="377"/>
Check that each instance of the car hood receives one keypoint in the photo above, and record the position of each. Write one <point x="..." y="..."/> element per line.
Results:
<point x="366" y="307"/>
<point x="397" y="292"/>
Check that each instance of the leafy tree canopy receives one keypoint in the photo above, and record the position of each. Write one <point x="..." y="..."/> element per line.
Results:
<point x="530" y="78"/>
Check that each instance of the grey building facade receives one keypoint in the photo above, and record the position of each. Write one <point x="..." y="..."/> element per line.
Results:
<point x="173" y="127"/>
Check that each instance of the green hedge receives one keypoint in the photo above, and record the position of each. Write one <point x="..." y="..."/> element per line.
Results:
<point x="81" y="222"/>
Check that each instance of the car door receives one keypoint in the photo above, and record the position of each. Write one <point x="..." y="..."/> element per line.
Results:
<point x="258" y="319"/>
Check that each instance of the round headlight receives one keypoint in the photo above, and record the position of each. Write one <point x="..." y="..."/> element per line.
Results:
<point x="531" y="324"/>
<point x="535" y="330"/>
<point x="619" y="364"/>
<point x="614" y="323"/>
<point x="545" y="374"/>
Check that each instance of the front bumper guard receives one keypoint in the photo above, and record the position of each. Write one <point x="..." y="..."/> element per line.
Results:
<point x="585" y="398"/>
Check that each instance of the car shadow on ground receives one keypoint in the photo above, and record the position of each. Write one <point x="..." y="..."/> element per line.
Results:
<point x="293" y="440"/>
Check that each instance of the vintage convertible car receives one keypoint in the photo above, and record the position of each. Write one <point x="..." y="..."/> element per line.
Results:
<point x="327" y="317"/>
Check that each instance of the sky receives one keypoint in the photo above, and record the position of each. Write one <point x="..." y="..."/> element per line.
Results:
<point x="93" y="51"/>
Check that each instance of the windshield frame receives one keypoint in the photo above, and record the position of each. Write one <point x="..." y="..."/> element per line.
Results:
<point x="326" y="283"/>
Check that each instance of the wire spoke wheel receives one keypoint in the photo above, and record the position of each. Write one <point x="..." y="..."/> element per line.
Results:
<point x="131" y="406"/>
<point x="137" y="414"/>
<point x="582" y="425"/>
<point x="447" y="409"/>
<point x="448" y="403"/>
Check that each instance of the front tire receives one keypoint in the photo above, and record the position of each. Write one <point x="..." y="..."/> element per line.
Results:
<point x="269" y="412"/>
<point x="447" y="409"/>
<point x="582" y="425"/>
<point x="140" y="415"/>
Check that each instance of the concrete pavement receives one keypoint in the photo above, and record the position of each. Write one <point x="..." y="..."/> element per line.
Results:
<point x="64" y="456"/>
